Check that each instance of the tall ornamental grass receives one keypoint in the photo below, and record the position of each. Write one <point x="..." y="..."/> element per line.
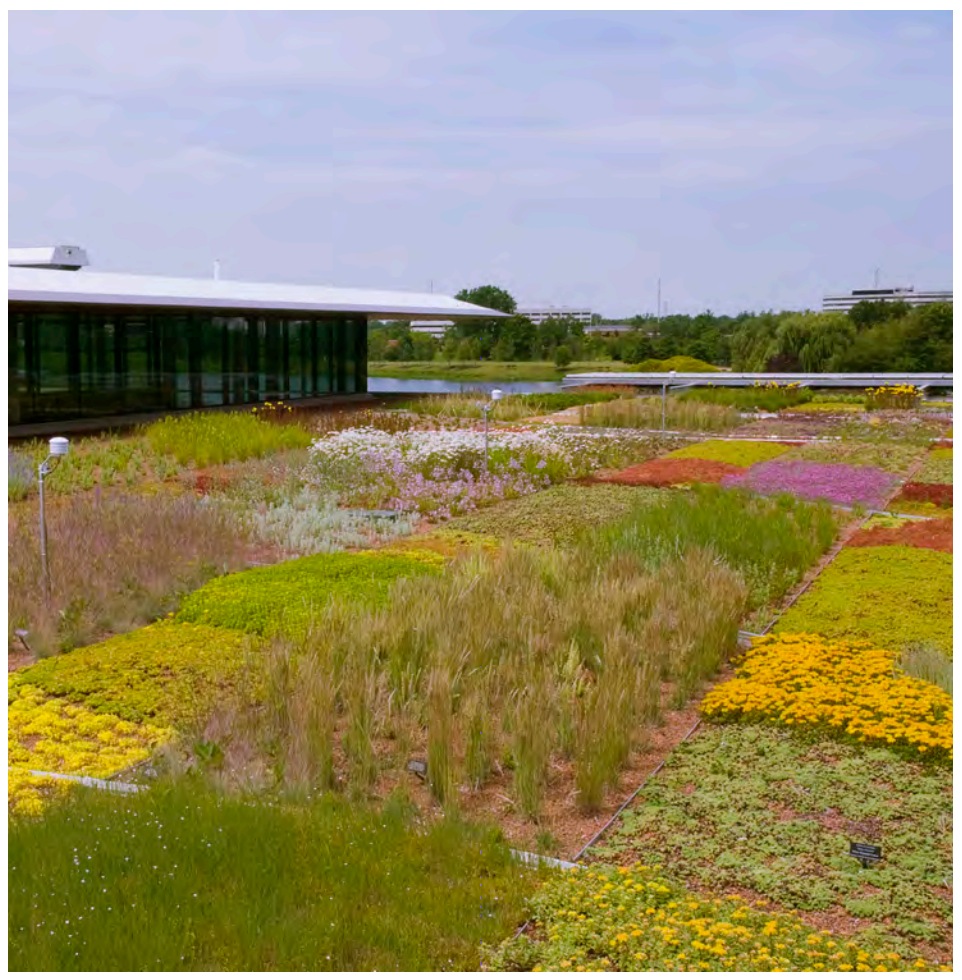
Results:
<point x="182" y="879"/>
<point x="766" y="398"/>
<point x="508" y="662"/>
<point x="646" y="413"/>
<point x="116" y="562"/>
<point x="206" y="438"/>
<point x="770" y="541"/>
<point x="511" y="408"/>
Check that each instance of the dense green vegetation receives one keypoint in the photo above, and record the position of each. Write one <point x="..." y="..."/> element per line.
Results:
<point x="511" y="407"/>
<point x="182" y="879"/>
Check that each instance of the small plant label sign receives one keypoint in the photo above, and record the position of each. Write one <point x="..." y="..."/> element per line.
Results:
<point x="868" y="854"/>
<point x="418" y="767"/>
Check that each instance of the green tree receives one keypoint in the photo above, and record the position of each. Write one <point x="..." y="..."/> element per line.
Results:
<point x="490" y="297"/>
<point x="562" y="356"/>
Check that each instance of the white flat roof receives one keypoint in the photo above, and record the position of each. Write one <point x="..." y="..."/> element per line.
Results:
<point x="115" y="289"/>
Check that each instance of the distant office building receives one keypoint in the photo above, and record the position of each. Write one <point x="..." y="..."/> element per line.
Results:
<point x="538" y="314"/>
<point x="905" y="294"/>
<point x="433" y="328"/>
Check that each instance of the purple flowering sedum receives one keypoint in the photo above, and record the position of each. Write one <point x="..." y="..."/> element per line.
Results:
<point x="835" y="482"/>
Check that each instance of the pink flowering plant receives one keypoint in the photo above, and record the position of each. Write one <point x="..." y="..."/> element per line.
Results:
<point x="836" y="482"/>
<point x="440" y="474"/>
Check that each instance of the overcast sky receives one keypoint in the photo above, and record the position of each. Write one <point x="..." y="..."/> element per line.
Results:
<point x="749" y="160"/>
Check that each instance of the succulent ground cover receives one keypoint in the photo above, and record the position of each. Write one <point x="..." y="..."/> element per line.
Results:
<point x="836" y="482"/>
<point x="937" y="494"/>
<point x="894" y="457"/>
<point x="286" y="597"/>
<point x="935" y="534"/>
<point x="99" y="710"/>
<point x="739" y="452"/>
<point x="182" y="879"/>
<point x="762" y="813"/>
<point x="889" y="595"/>
<point x="841" y="688"/>
<point x="937" y="467"/>
<point x="556" y="515"/>
<point x="632" y="918"/>
<point x="671" y="472"/>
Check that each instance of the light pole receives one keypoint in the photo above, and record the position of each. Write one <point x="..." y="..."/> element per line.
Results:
<point x="496" y="396"/>
<point x="58" y="447"/>
<point x="664" y="399"/>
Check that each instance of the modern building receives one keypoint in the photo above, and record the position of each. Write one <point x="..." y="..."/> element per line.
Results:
<point x="86" y="344"/>
<point x="905" y="294"/>
<point x="538" y="314"/>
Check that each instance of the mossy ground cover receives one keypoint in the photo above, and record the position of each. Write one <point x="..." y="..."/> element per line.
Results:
<point x="890" y="455"/>
<point x="735" y="452"/>
<point x="760" y="812"/>
<point x="556" y="515"/>
<point x="183" y="879"/>
<point x="892" y="596"/>
<point x="937" y="467"/>
<point x="285" y="597"/>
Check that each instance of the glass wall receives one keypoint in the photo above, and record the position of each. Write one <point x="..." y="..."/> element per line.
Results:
<point x="86" y="361"/>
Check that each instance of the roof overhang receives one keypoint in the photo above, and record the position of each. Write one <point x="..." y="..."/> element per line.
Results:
<point x="30" y="285"/>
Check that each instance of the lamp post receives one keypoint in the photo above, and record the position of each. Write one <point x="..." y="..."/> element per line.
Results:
<point x="496" y="395"/>
<point x="664" y="399"/>
<point x="59" y="447"/>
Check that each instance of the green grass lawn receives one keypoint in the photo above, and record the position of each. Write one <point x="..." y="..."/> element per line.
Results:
<point x="892" y="596"/>
<point x="181" y="879"/>
<point x="486" y="370"/>
<point x="746" y="808"/>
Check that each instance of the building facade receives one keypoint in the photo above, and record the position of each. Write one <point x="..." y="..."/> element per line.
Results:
<point x="89" y="345"/>
<point x="905" y="294"/>
<point x="538" y="314"/>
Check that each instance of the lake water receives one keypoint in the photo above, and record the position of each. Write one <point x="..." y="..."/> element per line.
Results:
<point x="433" y="386"/>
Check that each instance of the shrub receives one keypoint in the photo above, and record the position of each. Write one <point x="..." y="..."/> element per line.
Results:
<point x="863" y="595"/>
<point x="204" y="438"/>
<point x="646" y="413"/>
<point x="284" y="598"/>
<point x="771" y="542"/>
<point x="677" y="363"/>
<point x="632" y="919"/>
<point x="841" y="687"/>
<point x="736" y="452"/>
<point x="116" y="562"/>
<point x="243" y="886"/>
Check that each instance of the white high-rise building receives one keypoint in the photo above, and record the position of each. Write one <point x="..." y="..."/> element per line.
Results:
<point x="905" y="294"/>
<point x="538" y="314"/>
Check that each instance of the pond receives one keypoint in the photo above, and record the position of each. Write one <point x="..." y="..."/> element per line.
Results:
<point x="434" y="386"/>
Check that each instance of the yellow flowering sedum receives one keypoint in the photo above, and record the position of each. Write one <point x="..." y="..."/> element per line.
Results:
<point x="807" y="682"/>
<point x="630" y="918"/>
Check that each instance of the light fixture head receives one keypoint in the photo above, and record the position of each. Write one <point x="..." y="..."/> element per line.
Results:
<point x="497" y="395"/>
<point x="59" y="446"/>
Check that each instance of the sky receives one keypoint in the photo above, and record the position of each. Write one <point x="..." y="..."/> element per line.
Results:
<point x="748" y="160"/>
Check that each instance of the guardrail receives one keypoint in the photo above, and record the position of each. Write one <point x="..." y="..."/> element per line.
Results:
<point x="741" y="379"/>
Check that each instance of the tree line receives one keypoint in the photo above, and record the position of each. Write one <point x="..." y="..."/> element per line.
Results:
<point x="873" y="336"/>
